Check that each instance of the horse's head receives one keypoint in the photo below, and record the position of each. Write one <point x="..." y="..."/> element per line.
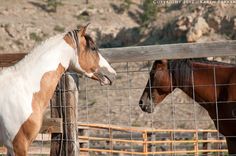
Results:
<point x="158" y="86"/>
<point x="87" y="58"/>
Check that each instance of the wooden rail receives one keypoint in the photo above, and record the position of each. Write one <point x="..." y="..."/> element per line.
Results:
<point x="153" y="52"/>
<point x="141" y="153"/>
<point x="170" y="51"/>
<point x="145" y="141"/>
<point x="140" y="129"/>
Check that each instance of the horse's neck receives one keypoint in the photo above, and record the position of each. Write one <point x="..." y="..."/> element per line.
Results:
<point x="47" y="56"/>
<point x="43" y="67"/>
<point x="199" y="82"/>
<point x="182" y="79"/>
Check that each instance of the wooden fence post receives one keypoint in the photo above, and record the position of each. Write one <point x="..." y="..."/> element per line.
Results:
<point x="66" y="144"/>
<point x="56" y="138"/>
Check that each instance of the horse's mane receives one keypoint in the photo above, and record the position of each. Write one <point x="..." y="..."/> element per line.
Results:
<point x="181" y="70"/>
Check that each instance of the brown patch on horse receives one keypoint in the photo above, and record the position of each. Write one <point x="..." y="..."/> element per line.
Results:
<point x="30" y="128"/>
<point x="211" y="82"/>
<point x="69" y="41"/>
<point x="88" y="60"/>
<point x="232" y="88"/>
<point x="157" y="98"/>
<point x="87" y="52"/>
<point x="206" y="87"/>
<point x="222" y="70"/>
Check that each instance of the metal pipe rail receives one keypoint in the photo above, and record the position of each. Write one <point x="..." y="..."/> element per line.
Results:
<point x="145" y="141"/>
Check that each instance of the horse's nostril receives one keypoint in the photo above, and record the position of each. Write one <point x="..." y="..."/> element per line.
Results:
<point x="141" y="102"/>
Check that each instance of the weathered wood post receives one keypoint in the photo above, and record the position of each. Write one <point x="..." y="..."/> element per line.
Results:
<point x="64" y="106"/>
<point x="56" y="138"/>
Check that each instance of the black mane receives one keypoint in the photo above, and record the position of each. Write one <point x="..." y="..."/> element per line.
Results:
<point x="181" y="70"/>
<point x="90" y="43"/>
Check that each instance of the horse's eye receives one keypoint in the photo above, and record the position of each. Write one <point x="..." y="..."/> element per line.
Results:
<point x="152" y="72"/>
<point x="93" y="48"/>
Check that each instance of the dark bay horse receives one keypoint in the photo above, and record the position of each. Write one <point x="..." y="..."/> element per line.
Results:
<point x="212" y="84"/>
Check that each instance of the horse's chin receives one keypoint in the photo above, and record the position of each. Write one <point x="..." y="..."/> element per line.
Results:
<point x="105" y="81"/>
<point x="149" y="110"/>
<point x="146" y="107"/>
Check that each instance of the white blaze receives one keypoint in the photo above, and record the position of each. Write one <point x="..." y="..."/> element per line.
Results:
<point x="103" y="63"/>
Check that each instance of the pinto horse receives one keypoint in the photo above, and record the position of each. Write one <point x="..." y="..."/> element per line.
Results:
<point x="212" y="84"/>
<point x="27" y="87"/>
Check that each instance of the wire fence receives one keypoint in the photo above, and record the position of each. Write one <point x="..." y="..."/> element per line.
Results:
<point x="178" y="126"/>
<point x="118" y="105"/>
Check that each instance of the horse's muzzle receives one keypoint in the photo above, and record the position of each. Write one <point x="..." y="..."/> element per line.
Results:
<point x="146" y="106"/>
<point x="105" y="77"/>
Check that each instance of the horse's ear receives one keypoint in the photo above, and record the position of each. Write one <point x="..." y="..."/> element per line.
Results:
<point x="164" y="61"/>
<point x="82" y="30"/>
